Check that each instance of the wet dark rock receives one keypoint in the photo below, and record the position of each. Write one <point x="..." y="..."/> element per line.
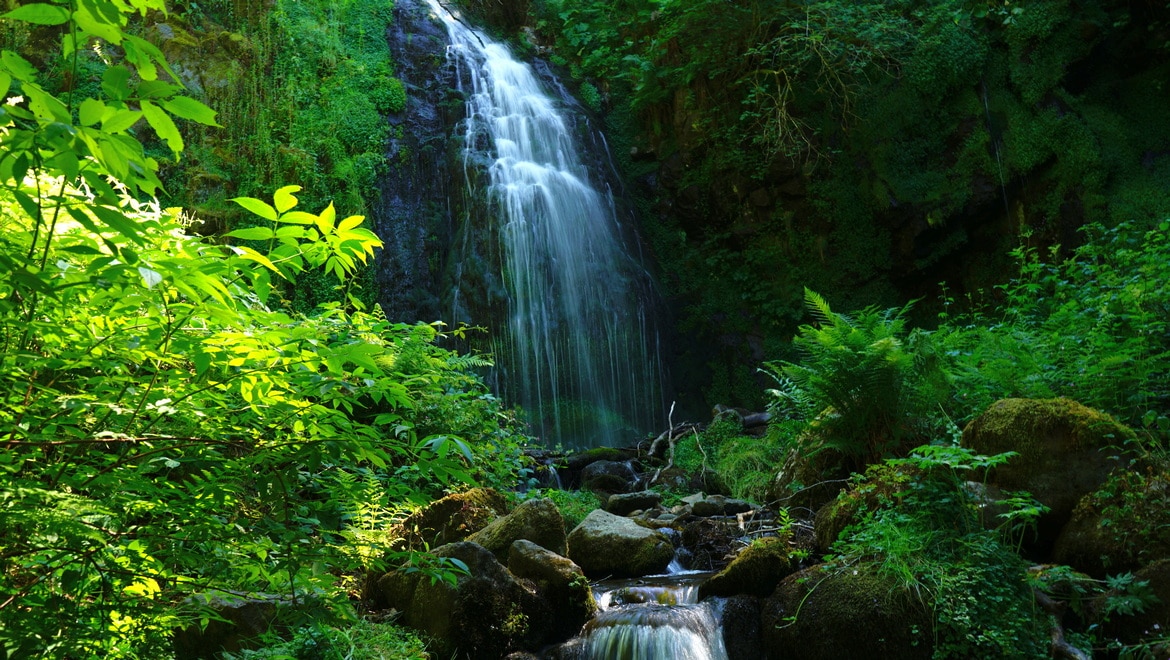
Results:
<point x="624" y="504"/>
<point x="741" y="628"/>
<point x="608" y="477"/>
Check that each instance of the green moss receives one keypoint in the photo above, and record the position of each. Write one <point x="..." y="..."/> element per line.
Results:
<point x="756" y="570"/>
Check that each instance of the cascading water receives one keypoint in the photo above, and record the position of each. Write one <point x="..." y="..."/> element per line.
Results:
<point x="578" y="350"/>
<point x="654" y="622"/>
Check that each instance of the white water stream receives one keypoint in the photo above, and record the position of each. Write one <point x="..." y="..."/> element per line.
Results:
<point x="578" y="351"/>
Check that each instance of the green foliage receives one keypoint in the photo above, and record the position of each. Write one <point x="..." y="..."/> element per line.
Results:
<point x="864" y="386"/>
<point x="747" y="465"/>
<point x="1090" y="327"/>
<point x="574" y="505"/>
<point x="167" y="433"/>
<point x="930" y="538"/>
<point x="360" y="641"/>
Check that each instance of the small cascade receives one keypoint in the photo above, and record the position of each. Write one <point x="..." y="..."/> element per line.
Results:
<point x="654" y="619"/>
<point x="545" y="262"/>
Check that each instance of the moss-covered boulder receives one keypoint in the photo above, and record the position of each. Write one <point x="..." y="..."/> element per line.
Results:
<point x="608" y="545"/>
<point x="485" y="614"/>
<point x="882" y="485"/>
<point x="755" y="571"/>
<point x="561" y="582"/>
<point x="449" y="519"/>
<point x="538" y="521"/>
<point x="608" y="477"/>
<point x="1120" y="527"/>
<point x="1066" y="451"/>
<point x="827" y="613"/>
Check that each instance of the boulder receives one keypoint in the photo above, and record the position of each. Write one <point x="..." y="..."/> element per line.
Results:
<point x="881" y="484"/>
<point x="1121" y="527"/>
<point x="486" y="614"/>
<point x="560" y="582"/>
<point x="1066" y="451"/>
<point x="828" y="613"/>
<point x="623" y="504"/>
<point x="608" y="545"/>
<point x="538" y="521"/>
<point x="719" y="505"/>
<point x="608" y="477"/>
<point x="449" y="519"/>
<point x="242" y="620"/>
<point x="755" y="571"/>
<point x="741" y="628"/>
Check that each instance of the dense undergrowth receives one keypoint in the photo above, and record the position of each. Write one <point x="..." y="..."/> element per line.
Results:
<point x="168" y="434"/>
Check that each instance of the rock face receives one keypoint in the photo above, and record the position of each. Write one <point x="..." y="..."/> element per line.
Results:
<point x="538" y="521"/>
<point x="623" y="504"/>
<point x="828" y="614"/>
<point x="719" y="505"/>
<point x="755" y="571"/>
<point x="559" y="581"/>
<point x="1066" y="451"/>
<point x="608" y="545"/>
<point x="741" y="628"/>
<point x="486" y="614"/>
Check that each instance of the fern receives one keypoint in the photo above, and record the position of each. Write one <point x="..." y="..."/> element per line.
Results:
<point x="859" y="384"/>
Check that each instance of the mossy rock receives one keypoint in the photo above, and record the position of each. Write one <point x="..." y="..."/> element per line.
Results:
<point x="1121" y="527"/>
<point x="829" y="612"/>
<point x="755" y="571"/>
<point x="538" y="521"/>
<point x="1066" y="451"/>
<point x="882" y="485"/>
<point x="449" y="519"/>
<point x="608" y="545"/>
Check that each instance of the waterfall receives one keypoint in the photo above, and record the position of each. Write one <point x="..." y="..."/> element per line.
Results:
<point x="654" y="622"/>
<point x="576" y="348"/>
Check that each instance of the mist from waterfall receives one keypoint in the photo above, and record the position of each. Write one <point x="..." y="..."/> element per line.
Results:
<point x="578" y="349"/>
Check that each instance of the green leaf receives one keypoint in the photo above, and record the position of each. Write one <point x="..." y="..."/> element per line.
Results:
<point x="91" y="112"/>
<point x="284" y="199"/>
<point x="118" y="121"/>
<point x="327" y="218"/>
<point x="256" y="206"/>
<point x="189" y="108"/>
<point x="18" y="67"/>
<point x="150" y="277"/>
<point x="40" y="14"/>
<point x="350" y="222"/>
<point x="5" y="83"/>
<point x="91" y="18"/>
<point x="119" y="222"/>
<point x="251" y="233"/>
<point x="298" y="218"/>
<point x="46" y="106"/>
<point x="162" y="124"/>
<point x="116" y="83"/>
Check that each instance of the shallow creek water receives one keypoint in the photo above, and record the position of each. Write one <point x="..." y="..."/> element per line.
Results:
<point x="655" y="618"/>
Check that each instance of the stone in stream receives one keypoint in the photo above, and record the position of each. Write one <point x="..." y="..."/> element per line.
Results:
<point x="608" y="477"/>
<point x="561" y="582"/>
<point x="607" y="545"/>
<point x="624" y="504"/>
